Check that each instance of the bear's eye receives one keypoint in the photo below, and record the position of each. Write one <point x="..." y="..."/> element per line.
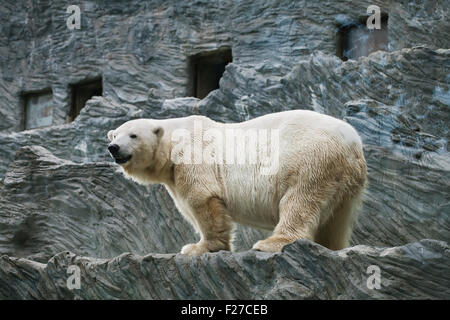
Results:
<point x="133" y="136"/>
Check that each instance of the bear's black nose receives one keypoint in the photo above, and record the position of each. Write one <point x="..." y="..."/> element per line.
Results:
<point x="113" y="148"/>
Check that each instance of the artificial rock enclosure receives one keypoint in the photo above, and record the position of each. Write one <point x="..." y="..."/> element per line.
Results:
<point x="63" y="202"/>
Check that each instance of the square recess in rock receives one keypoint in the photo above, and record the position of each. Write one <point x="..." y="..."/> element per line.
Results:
<point x="81" y="93"/>
<point x="356" y="40"/>
<point x="205" y="71"/>
<point x="38" y="109"/>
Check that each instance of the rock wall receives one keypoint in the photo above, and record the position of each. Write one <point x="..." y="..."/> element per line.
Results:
<point x="59" y="190"/>
<point x="141" y="49"/>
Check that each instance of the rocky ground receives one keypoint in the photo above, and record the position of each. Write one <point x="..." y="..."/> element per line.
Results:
<point x="304" y="270"/>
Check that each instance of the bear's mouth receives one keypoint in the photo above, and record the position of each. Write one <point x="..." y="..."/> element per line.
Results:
<point x="122" y="160"/>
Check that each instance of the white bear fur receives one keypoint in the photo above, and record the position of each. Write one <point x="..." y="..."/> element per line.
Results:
<point x="313" y="195"/>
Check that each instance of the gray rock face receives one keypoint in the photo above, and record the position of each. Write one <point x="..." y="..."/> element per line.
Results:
<point x="83" y="140"/>
<point x="60" y="192"/>
<point x="304" y="270"/>
<point x="141" y="49"/>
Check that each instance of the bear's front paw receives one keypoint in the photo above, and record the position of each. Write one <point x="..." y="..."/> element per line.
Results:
<point x="194" y="249"/>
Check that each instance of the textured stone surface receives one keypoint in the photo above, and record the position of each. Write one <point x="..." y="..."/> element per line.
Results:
<point x="60" y="192"/>
<point x="141" y="49"/>
<point x="303" y="270"/>
<point x="82" y="140"/>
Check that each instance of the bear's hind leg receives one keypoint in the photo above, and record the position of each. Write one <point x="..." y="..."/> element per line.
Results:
<point x="299" y="218"/>
<point x="336" y="232"/>
<point x="215" y="226"/>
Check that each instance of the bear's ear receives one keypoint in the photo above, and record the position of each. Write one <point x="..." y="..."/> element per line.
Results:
<point x="159" y="131"/>
<point x="110" y="135"/>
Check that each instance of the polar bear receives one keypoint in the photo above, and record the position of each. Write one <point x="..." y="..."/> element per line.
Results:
<point x="298" y="173"/>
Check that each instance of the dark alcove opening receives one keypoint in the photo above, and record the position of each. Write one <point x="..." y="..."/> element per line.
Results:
<point x="205" y="71"/>
<point x="81" y="93"/>
<point x="356" y="40"/>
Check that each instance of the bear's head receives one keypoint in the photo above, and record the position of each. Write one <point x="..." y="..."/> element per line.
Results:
<point x="134" y="145"/>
